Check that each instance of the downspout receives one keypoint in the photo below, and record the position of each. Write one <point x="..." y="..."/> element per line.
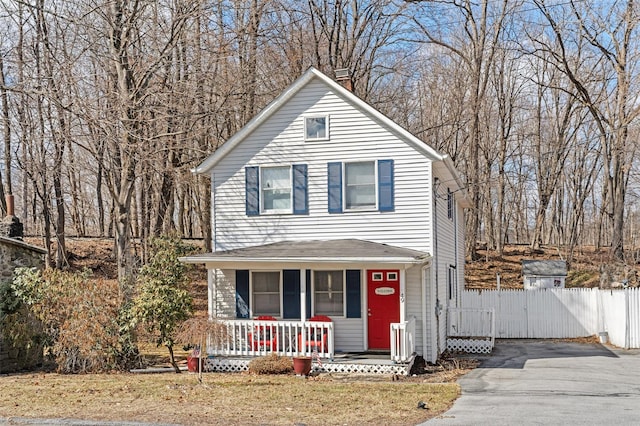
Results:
<point x="213" y="213"/>
<point x="455" y="253"/>
<point x="423" y="277"/>
<point x="213" y="274"/>
<point x="627" y="326"/>
<point x="437" y="307"/>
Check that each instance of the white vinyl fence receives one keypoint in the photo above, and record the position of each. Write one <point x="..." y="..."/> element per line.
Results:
<point x="562" y="313"/>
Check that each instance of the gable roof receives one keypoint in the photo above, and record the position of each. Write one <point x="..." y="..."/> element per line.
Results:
<point x="544" y="268"/>
<point x="291" y="91"/>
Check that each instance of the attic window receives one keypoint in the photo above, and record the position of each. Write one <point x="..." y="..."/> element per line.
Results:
<point x="316" y="128"/>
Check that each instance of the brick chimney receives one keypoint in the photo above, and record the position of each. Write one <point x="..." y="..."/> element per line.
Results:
<point x="11" y="226"/>
<point x="343" y="76"/>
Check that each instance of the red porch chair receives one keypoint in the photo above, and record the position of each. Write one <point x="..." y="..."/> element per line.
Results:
<point x="264" y="337"/>
<point x="317" y="338"/>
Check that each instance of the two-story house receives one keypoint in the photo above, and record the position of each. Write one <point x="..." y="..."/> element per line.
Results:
<point x="322" y="205"/>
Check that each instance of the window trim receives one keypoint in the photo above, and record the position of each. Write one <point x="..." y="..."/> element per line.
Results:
<point x="376" y="184"/>
<point x="344" y="292"/>
<point x="326" y="127"/>
<point x="261" y="189"/>
<point x="450" y="204"/>
<point x="252" y="312"/>
<point x="452" y="289"/>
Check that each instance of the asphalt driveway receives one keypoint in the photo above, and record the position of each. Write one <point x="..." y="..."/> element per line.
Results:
<point x="529" y="382"/>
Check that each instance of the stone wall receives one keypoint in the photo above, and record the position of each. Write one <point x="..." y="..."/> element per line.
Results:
<point x="15" y="254"/>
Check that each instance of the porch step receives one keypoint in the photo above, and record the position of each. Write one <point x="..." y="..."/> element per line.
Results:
<point x="361" y="366"/>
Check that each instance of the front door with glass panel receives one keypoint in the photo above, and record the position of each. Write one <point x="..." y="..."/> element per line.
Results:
<point x="383" y="306"/>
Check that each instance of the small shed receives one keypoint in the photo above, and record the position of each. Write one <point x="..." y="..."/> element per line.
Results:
<point x="539" y="274"/>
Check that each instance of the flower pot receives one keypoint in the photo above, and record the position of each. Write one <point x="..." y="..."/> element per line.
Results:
<point x="302" y="365"/>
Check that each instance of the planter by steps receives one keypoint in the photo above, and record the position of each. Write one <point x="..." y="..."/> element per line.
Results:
<point x="302" y="365"/>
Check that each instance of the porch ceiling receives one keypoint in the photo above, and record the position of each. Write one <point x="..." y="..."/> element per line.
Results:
<point x="347" y="251"/>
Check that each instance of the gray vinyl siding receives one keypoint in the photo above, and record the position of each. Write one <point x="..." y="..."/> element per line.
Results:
<point x="353" y="136"/>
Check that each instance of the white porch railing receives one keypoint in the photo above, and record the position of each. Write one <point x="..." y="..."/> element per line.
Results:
<point x="259" y="338"/>
<point x="403" y="342"/>
<point x="471" y="330"/>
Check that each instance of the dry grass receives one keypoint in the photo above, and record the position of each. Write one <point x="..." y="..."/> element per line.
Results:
<point x="481" y="274"/>
<point x="223" y="399"/>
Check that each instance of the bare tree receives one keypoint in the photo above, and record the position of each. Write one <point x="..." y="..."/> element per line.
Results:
<point x="482" y="26"/>
<point x="607" y="85"/>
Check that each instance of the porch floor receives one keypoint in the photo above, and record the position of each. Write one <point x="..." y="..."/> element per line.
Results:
<point x="343" y="362"/>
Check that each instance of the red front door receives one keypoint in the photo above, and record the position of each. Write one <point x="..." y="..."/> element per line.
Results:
<point x="383" y="299"/>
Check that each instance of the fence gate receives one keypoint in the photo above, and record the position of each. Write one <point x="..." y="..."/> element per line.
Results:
<point x="471" y="330"/>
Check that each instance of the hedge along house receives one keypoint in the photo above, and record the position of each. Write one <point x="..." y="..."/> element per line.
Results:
<point x="323" y="206"/>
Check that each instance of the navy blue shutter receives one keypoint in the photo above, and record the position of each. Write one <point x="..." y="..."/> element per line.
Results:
<point x="334" y="185"/>
<point x="353" y="293"/>
<point x="300" y="192"/>
<point x="252" y="190"/>
<point x="385" y="185"/>
<point x="308" y="289"/>
<point x="291" y="293"/>
<point x="242" y="294"/>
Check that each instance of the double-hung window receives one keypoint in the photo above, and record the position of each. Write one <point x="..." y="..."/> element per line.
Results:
<point x="266" y="293"/>
<point x="329" y="292"/>
<point x="276" y="190"/>
<point x="360" y="186"/>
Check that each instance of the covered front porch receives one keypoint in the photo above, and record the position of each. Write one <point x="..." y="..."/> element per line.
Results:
<point x="323" y="299"/>
<point x="297" y="338"/>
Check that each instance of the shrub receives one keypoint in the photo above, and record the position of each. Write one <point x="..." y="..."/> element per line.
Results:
<point x="271" y="364"/>
<point x="163" y="301"/>
<point x="79" y="317"/>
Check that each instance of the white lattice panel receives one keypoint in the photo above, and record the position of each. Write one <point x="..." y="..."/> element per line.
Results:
<point x="230" y="365"/>
<point x="474" y="346"/>
<point x="398" y="369"/>
<point x="227" y="365"/>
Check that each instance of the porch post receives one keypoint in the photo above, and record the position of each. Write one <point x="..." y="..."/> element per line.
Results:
<point x="211" y="288"/>
<point x="403" y="295"/>
<point x="303" y="294"/>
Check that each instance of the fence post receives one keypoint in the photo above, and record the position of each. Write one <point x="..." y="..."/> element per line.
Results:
<point x="626" y="319"/>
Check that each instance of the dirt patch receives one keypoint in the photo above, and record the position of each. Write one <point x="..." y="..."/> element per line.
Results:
<point x="483" y="274"/>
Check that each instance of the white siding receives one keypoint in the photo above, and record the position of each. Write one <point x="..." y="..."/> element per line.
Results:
<point x="224" y="293"/>
<point x="414" y="302"/>
<point x="445" y="255"/>
<point x="353" y="136"/>
<point x="461" y="247"/>
<point x="349" y="334"/>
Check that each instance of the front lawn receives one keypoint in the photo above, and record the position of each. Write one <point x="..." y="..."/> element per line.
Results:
<point x="224" y="399"/>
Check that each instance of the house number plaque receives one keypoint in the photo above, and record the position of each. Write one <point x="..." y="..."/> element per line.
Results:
<point x="385" y="291"/>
